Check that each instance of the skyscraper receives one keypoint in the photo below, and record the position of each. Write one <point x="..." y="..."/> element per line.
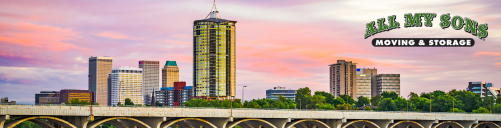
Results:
<point x="343" y="78"/>
<point x="151" y="78"/>
<point x="170" y="74"/>
<point x="126" y="82"/>
<point x="371" y="85"/>
<point x="388" y="83"/>
<point x="214" y="57"/>
<point x="99" y="68"/>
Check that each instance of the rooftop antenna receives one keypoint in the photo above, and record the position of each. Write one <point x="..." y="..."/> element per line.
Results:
<point x="215" y="10"/>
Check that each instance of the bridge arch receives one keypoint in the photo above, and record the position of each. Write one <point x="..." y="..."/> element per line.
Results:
<point x="315" y="122"/>
<point x="203" y="122"/>
<point x="56" y="120"/>
<point x="111" y="120"/>
<point x="450" y="122"/>
<point x="361" y="121"/>
<point x="486" y="123"/>
<point x="260" y="121"/>
<point x="407" y="121"/>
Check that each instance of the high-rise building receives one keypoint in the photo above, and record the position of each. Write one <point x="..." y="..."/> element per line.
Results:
<point x="484" y="89"/>
<point x="170" y="74"/>
<point x="388" y="83"/>
<point x="276" y="92"/>
<point x="66" y="95"/>
<point x="214" y="57"/>
<point x="343" y="80"/>
<point x="364" y="82"/>
<point x="99" y="68"/>
<point x="174" y="96"/>
<point x="47" y="97"/>
<point x="151" y="78"/>
<point x="126" y="82"/>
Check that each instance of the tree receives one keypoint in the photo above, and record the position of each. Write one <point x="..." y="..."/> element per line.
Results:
<point x="329" y="98"/>
<point x="401" y="103"/>
<point x="443" y="103"/>
<point x="419" y="104"/>
<point x="214" y="103"/>
<point x="375" y="100"/>
<point x="367" y="108"/>
<point x="488" y="102"/>
<point x="391" y="95"/>
<point x="497" y="108"/>
<point x="253" y="104"/>
<point x="470" y="100"/>
<point x="481" y="110"/>
<point x="316" y="99"/>
<point x="326" y="106"/>
<point x="128" y="102"/>
<point x="362" y="101"/>
<point x="412" y="94"/>
<point x="387" y="105"/>
<point x="159" y="104"/>
<point x="338" y="101"/>
<point x="498" y="100"/>
<point x="456" y="110"/>
<point x="350" y="99"/>
<point x="344" y="107"/>
<point x="303" y="97"/>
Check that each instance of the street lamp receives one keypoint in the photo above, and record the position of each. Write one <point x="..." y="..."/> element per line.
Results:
<point x="243" y="87"/>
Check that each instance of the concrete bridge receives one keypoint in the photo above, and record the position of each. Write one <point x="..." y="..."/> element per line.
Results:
<point x="151" y="117"/>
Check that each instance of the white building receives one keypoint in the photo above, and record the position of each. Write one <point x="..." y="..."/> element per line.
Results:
<point x="125" y="82"/>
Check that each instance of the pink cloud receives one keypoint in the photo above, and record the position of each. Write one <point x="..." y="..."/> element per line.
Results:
<point x="489" y="53"/>
<point x="116" y="35"/>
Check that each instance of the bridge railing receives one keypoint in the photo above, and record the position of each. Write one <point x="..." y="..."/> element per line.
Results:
<point x="256" y="108"/>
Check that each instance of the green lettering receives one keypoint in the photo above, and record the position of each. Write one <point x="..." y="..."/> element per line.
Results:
<point x="393" y="23"/>
<point x="413" y="21"/>
<point x="471" y="26"/>
<point x="445" y="21"/>
<point x="429" y="17"/>
<point x="457" y="24"/>
<point x="382" y="26"/>
<point x="482" y="31"/>
<point x="371" y="30"/>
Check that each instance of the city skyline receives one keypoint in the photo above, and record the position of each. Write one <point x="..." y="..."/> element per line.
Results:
<point x="42" y="52"/>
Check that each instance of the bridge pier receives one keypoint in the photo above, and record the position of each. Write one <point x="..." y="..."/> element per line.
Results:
<point x="279" y="123"/>
<point x="153" y="122"/>
<point x="219" y="122"/>
<point x="427" y="123"/>
<point x="78" y="121"/>
<point x="334" y="123"/>
<point x="467" y="124"/>
<point x="383" y="123"/>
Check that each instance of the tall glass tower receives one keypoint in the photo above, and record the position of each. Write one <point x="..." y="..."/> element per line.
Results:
<point x="214" y="57"/>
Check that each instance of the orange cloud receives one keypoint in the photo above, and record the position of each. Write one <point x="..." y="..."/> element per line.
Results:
<point x="499" y="63"/>
<point x="489" y="53"/>
<point x="115" y="35"/>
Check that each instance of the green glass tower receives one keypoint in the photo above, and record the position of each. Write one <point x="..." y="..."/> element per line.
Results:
<point x="214" y="57"/>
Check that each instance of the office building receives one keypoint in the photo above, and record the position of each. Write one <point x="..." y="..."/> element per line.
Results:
<point x="373" y="73"/>
<point x="388" y="83"/>
<point x="214" y="57"/>
<point x="364" y="85"/>
<point x="484" y="89"/>
<point x="151" y="78"/>
<point x="170" y="74"/>
<point x="47" y="97"/>
<point x="343" y="78"/>
<point x="280" y="91"/>
<point x="174" y="96"/>
<point x="99" y="68"/>
<point x="5" y="101"/>
<point x="126" y="82"/>
<point x="66" y="95"/>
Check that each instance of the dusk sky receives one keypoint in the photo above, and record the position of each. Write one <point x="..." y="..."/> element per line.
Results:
<point x="45" y="45"/>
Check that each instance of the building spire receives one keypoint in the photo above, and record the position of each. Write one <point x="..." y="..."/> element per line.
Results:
<point x="213" y="12"/>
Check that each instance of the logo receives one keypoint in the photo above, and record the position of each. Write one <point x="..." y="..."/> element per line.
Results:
<point x="417" y="20"/>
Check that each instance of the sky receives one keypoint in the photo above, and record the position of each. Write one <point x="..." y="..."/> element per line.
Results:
<point x="45" y="45"/>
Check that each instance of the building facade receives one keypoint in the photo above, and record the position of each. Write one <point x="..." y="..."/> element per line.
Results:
<point x="151" y="78"/>
<point x="47" y="97"/>
<point x="66" y="95"/>
<point x="484" y="89"/>
<point x="5" y="100"/>
<point x="373" y="73"/>
<point x="174" y="96"/>
<point x="126" y="82"/>
<point x="99" y="68"/>
<point x="276" y="92"/>
<point x="214" y="57"/>
<point x="364" y="85"/>
<point x="388" y="83"/>
<point x="343" y="78"/>
<point x="170" y="74"/>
